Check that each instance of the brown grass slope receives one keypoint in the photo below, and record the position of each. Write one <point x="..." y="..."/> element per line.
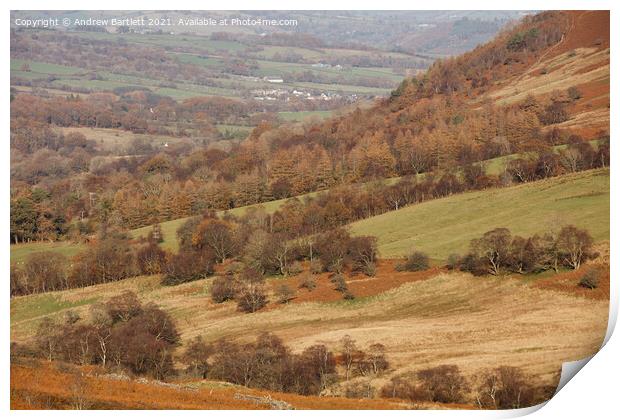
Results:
<point x="453" y="318"/>
<point x="581" y="59"/>
<point x="43" y="385"/>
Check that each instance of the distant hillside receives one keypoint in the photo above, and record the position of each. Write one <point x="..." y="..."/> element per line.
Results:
<point x="579" y="61"/>
<point x="538" y="84"/>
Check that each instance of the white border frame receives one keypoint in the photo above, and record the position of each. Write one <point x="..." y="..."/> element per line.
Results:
<point x="592" y="393"/>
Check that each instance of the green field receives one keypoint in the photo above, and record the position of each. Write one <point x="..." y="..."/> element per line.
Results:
<point x="452" y="220"/>
<point x="21" y="251"/>
<point x="270" y="68"/>
<point x="213" y="55"/>
<point x="302" y="115"/>
<point x="38" y="69"/>
<point x="235" y="131"/>
<point x="497" y="166"/>
<point x="444" y="226"/>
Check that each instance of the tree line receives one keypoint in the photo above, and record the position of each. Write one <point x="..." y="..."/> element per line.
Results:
<point x="34" y="215"/>
<point x="497" y="252"/>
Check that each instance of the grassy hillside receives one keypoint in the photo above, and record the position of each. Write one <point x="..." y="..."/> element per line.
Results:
<point x="441" y="227"/>
<point x="21" y="251"/>
<point x="397" y="235"/>
<point x="445" y="318"/>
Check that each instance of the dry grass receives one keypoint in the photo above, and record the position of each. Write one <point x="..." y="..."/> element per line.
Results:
<point x="454" y="318"/>
<point x="582" y="60"/>
<point x="573" y="68"/>
<point x="47" y="386"/>
<point x="118" y="141"/>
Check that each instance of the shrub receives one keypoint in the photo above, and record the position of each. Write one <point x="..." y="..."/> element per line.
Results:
<point x="362" y="253"/>
<point x="574" y="93"/>
<point x="285" y="293"/>
<point x="42" y="272"/>
<point x="109" y="259"/>
<point x="370" y="269"/>
<point x="71" y="317"/>
<point x="273" y="366"/>
<point x="251" y="298"/>
<point x="554" y="113"/>
<point x="138" y="338"/>
<point x="294" y="268"/>
<point x="590" y="280"/>
<point x="145" y="342"/>
<point x="223" y="289"/>
<point x="416" y="261"/>
<point x="196" y="357"/>
<point x="251" y="275"/>
<point x="235" y="267"/>
<point x="360" y="389"/>
<point x="316" y="267"/>
<point x="346" y="295"/>
<point x="123" y="307"/>
<point x="187" y="265"/>
<point x="151" y="259"/>
<point x="308" y="281"/>
<point x="267" y="253"/>
<point x="339" y="282"/>
<point x="332" y="248"/>
<point x="400" y="387"/>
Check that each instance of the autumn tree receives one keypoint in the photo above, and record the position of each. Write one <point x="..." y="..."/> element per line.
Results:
<point x="223" y="288"/>
<point x="251" y="297"/>
<point x="216" y="235"/>
<point x="492" y="248"/>
<point x="575" y="246"/>
<point x="363" y="253"/>
<point x="443" y="383"/>
<point x="42" y="272"/>
<point x="350" y="354"/>
<point x="505" y="387"/>
<point x="123" y="307"/>
<point x="187" y="265"/>
<point x="196" y="357"/>
<point x="332" y="247"/>
<point x="150" y="258"/>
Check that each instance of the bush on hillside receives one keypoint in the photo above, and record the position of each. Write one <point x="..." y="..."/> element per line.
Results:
<point x="590" y="280"/>
<point x="416" y="261"/>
